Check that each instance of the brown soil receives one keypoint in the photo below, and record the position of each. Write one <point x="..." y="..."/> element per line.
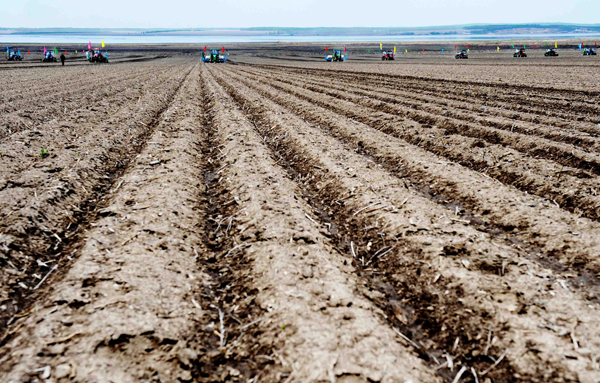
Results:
<point x="279" y="220"/>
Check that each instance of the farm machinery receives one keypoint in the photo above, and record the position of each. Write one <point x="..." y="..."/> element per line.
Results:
<point x="15" y="56"/>
<point x="337" y="55"/>
<point x="388" y="56"/>
<point x="551" y="53"/>
<point x="520" y="53"/>
<point x="589" y="52"/>
<point x="462" y="55"/>
<point x="215" y="56"/>
<point x="49" y="57"/>
<point x="97" y="56"/>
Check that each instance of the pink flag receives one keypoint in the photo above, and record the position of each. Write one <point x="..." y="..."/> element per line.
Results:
<point x="44" y="49"/>
<point x="90" y="45"/>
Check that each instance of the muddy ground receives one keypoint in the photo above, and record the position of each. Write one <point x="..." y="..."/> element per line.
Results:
<point x="281" y="219"/>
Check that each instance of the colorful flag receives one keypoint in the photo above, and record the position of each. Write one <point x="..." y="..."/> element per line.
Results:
<point x="555" y="45"/>
<point x="204" y="49"/>
<point x="90" y="45"/>
<point x="456" y="47"/>
<point x="7" y="50"/>
<point x="55" y="50"/>
<point x="19" y="52"/>
<point x="45" y="50"/>
<point x="223" y="49"/>
<point x="513" y="46"/>
<point x="103" y="44"/>
<point x="442" y="50"/>
<point x="498" y="49"/>
<point x="394" y="49"/>
<point x="380" y="46"/>
<point x="325" y="49"/>
<point x="468" y="47"/>
<point x="345" y="50"/>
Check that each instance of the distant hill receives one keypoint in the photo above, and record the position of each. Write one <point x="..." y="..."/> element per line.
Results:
<point x="466" y="29"/>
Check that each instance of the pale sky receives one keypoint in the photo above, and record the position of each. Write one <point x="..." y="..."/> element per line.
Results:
<point x="282" y="13"/>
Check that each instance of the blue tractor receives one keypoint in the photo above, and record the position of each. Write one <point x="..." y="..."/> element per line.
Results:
<point x="336" y="56"/>
<point x="15" y="56"/>
<point x="49" y="57"/>
<point x="97" y="56"/>
<point x="215" y="56"/>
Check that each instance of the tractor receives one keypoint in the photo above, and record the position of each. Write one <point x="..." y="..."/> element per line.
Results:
<point x="97" y="56"/>
<point x="336" y="56"/>
<point x="589" y="52"/>
<point x="215" y="57"/>
<point x="388" y="55"/>
<point x="551" y="53"/>
<point x="520" y="53"/>
<point x="15" y="56"/>
<point x="49" y="57"/>
<point x="462" y="55"/>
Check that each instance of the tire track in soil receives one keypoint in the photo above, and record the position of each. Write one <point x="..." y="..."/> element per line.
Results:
<point x="70" y="232"/>
<point x="302" y="167"/>
<point x="329" y="330"/>
<point x="524" y="225"/>
<point x="572" y="189"/>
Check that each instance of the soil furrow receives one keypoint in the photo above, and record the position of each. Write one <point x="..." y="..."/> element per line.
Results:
<point x="567" y="109"/>
<point x="94" y="95"/>
<point x="320" y="326"/>
<point x="571" y="101"/>
<point x="126" y="308"/>
<point x="485" y="102"/>
<point x="564" y="154"/>
<point x="503" y="119"/>
<point x="305" y="154"/>
<point x="47" y="210"/>
<point x="541" y="230"/>
<point x="572" y="189"/>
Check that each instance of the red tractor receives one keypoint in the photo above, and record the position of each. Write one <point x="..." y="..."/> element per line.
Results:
<point x="462" y="55"/>
<point x="388" y="56"/>
<point x="520" y="53"/>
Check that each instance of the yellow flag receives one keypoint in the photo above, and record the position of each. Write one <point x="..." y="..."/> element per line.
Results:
<point x="555" y="45"/>
<point x="406" y="51"/>
<point x="75" y="51"/>
<point x="381" y="46"/>
<point x="498" y="49"/>
<point x="394" y="49"/>
<point x="103" y="44"/>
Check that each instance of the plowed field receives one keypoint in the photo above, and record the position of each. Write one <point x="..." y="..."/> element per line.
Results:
<point x="254" y="221"/>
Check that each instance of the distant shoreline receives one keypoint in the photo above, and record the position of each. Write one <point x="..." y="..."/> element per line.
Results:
<point x="465" y="30"/>
<point x="83" y="39"/>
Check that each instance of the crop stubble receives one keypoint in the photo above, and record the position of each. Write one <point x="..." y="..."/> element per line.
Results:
<point x="258" y="222"/>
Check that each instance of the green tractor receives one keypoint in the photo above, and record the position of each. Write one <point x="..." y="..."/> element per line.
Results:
<point x="336" y="56"/>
